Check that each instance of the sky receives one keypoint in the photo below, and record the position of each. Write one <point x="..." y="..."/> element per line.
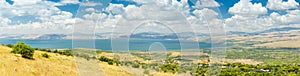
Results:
<point x="131" y="16"/>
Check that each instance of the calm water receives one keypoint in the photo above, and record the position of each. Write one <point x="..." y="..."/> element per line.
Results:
<point x="105" y="44"/>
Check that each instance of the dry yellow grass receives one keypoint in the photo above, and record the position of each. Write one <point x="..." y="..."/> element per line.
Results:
<point x="112" y="70"/>
<point x="174" y="54"/>
<point x="243" y="61"/>
<point x="15" y="65"/>
<point x="120" y="56"/>
<point x="88" y="67"/>
<point x="163" y="74"/>
<point x="289" y="43"/>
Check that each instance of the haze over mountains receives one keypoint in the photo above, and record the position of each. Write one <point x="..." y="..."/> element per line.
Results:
<point x="144" y="35"/>
<point x="279" y="30"/>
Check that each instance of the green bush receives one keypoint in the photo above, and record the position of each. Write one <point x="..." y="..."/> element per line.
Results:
<point x="10" y="45"/>
<point x="45" y="55"/>
<point x="169" y="68"/>
<point x="23" y="49"/>
<point x="55" y="51"/>
<point x="66" y="52"/>
<point x="108" y="60"/>
<point x="135" y="65"/>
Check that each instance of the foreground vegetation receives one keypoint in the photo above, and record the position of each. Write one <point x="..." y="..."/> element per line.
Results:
<point x="273" y="56"/>
<point x="56" y="65"/>
<point x="23" y="49"/>
<point x="275" y="62"/>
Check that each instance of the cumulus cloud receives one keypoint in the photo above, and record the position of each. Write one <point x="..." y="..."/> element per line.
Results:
<point x="90" y="10"/>
<point x="24" y="2"/>
<point x="124" y="19"/>
<point x="246" y="17"/>
<point x="70" y="1"/>
<point x="46" y="18"/>
<point x="281" y="5"/>
<point x="115" y="8"/>
<point x="4" y="21"/>
<point x="246" y="8"/>
<point x="250" y="21"/>
<point x="206" y="3"/>
<point x="292" y="17"/>
<point x="206" y="14"/>
<point x="248" y="24"/>
<point x="177" y="15"/>
<point x="206" y="19"/>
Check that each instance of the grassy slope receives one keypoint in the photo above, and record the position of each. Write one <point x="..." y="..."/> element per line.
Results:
<point x="112" y="70"/>
<point x="56" y="65"/>
<point x="288" y="43"/>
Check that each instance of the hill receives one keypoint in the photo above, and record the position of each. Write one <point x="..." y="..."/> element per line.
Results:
<point x="57" y="65"/>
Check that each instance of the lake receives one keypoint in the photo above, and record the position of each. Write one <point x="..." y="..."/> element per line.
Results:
<point x="106" y="44"/>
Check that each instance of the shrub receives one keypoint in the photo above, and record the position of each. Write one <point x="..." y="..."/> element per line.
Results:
<point x="108" y="60"/>
<point x="55" y="51"/>
<point x="23" y="49"/>
<point x="48" y="50"/>
<point x="10" y="45"/>
<point x="45" y="55"/>
<point x="169" y="68"/>
<point x="42" y="49"/>
<point x="66" y="52"/>
<point x="135" y="65"/>
<point x="145" y="66"/>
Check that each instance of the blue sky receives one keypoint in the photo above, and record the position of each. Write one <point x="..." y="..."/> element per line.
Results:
<point x="59" y="16"/>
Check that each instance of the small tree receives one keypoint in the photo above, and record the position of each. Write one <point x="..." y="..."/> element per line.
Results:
<point x="23" y="49"/>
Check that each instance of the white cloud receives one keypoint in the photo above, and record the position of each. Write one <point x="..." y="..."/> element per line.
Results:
<point x="246" y="8"/>
<point x="206" y="3"/>
<point x="206" y="14"/>
<point x="95" y="16"/>
<point x="251" y="22"/>
<point x="206" y="19"/>
<point x="246" y="17"/>
<point x="25" y="2"/>
<point x="292" y="17"/>
<point x="132" y="16"/>
<point x="4" y="21"/>
<point x="248" y="24"/>
<point x="49" y="18"/>
<point x="90" y="10"/>
<point x="115" y="8"/>
<point x="281" y="5"/>
<point x="172" y="13"/>
<point x="70" y="1"/>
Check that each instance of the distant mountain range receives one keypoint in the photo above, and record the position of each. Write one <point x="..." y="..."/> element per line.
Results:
<point x="37" y="36"/>
<point x="144" y="35"/>
<point x="152" y="35"/>
<point x="283" y="29"/>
